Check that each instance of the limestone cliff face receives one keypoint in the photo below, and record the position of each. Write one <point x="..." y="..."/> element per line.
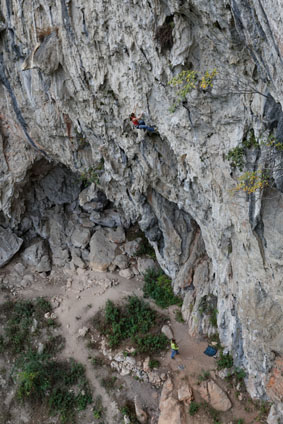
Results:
<point x="71" y="72"/>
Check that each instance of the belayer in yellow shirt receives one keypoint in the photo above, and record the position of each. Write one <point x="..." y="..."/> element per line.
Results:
<point x="174" y="349"/>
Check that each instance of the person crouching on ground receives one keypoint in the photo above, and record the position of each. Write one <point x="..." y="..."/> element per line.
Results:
<point x="139" y="123"/>
<point x="174" y="349"/>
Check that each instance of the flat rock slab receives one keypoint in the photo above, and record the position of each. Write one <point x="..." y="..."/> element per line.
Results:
<point x="9" y="245"/>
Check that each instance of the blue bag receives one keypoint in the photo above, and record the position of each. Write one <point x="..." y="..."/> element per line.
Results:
<point x="210" y="351"/>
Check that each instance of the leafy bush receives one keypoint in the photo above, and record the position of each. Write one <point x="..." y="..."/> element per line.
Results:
<point x="135" y="320"/>
<point x="240" y="374"/>
<point x="151" y="343"/>
<point x="236" y="157"/>
<point x="251" y="181"/>
<point x="225" y="361"/>
<point x="194" y="407"/>
<point x="158" y="287"/>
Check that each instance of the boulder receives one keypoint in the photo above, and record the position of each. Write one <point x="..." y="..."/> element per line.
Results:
<point x="102" y="251"/>
<point x="116" y="235"/>
<point x="92" y="199"/>
<point x="37" y="256"/>
<point x="146" y="366"/>
<point x="275" y="415"/>
<point x="140" y="413"/>
<point x="131" y="247"/>
<point x="77" y="259"/>
<point x="185" y="392"/>
<point x="171" y="410"/>
<point x="107" y="218"/>
<point x="83" y="331"/>
<point x="214" y="395"/>
<point x="146" y="263"/>
<point x="121" y="261"/>
<point x="9" y="245"/>
<point x="166" y="330"/>
<point x="126" y="273"/>
<point x="80" y="237"/>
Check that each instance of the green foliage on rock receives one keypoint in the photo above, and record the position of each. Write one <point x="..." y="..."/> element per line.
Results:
<point x="224" y="361"/>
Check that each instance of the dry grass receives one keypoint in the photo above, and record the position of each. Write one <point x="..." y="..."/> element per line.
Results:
<point x="42" y="33"/>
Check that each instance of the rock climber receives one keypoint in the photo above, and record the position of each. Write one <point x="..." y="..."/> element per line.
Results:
<point x="174" y="349"/>
<point x="139" y="123"/>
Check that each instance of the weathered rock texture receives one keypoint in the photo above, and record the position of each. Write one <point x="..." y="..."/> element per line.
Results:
<point x="71" y="72"/>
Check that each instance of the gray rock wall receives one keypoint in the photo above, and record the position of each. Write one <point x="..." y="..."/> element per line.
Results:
<point x="71" y="72"/>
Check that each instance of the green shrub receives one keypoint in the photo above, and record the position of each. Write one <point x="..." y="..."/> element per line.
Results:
<point x="154" y="363"/>
<point x="133" y="321"/>
<point x="98" y="409"/>
<point x="236" y="157"/>
<point x="136" y="318"/>
<point x="225" y="361"/>
<point x="158" y="287"/>
<point x="240" y="374"/>
<point x="194" y="407"/>
<point x="38" y="375"/>
<point x="150" y="343"/>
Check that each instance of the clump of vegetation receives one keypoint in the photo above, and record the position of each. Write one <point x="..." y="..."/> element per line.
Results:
<point x="98" y="410"/>
<point x="236" y="157"/>
<point x="135" y="321"/>
<point x="22" y="315"/>
<point x="240" y="374"/>
<point x="145" y="248"/>
<point x="194" y="407"/>
<point x="179" y="316"/>
<point x="128" y="410"/>
<point x="158" y="287"/>
<point x="207" y="306"/>
<point x="60" y="385"/>
<point x="225" y="361"/>
<point x="187" y="80"/>
<point x="91" y="175"/>
<point x="154" y="363"/>
<point x="205" y="375"/>
<point x="42" y="33"/>
<point x="251" y="181"/>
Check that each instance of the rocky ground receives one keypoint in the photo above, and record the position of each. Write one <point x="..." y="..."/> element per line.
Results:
<point x="164" y="395"/>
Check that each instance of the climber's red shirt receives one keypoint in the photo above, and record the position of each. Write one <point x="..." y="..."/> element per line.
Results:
<point x="135" y="121"/>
